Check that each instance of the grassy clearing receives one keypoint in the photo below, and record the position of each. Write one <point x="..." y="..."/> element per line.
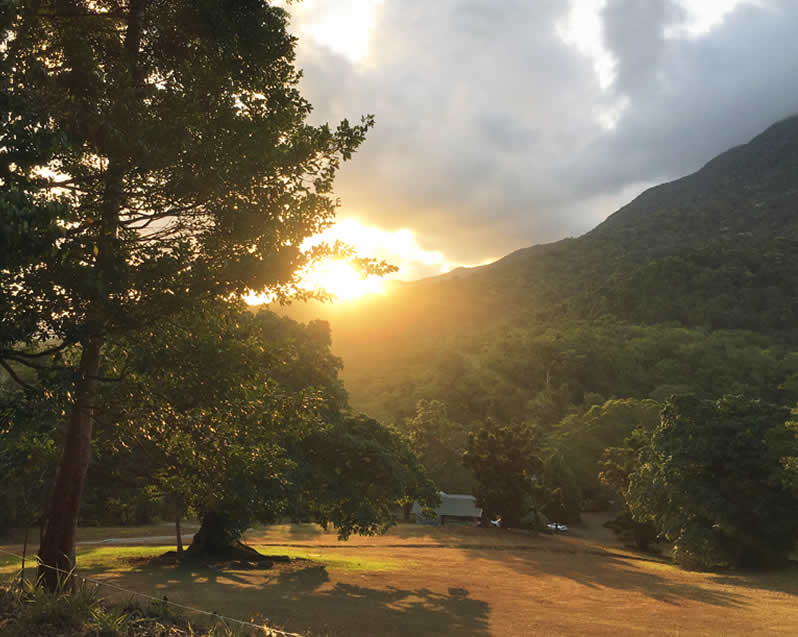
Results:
<point x="334" y="559"/>
<point x="107" y="558"/>
<point x="431" y="581"/>
<point x="102" y="533"/>
<point x="402" y="535"/>
<point x="116" y="560"/>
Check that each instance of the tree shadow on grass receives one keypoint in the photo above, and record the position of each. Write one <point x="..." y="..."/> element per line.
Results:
<point x="417" y="611"/>
<point x="303" y="580"/>
<point x="345" y="608"/>
<point x="783" y="580"/>
<point x="299" y="597"/>
<point x="597" y="569"/>
<point x="175" y="573"/>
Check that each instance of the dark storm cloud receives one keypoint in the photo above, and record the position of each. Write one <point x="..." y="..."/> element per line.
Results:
<point x="707" y="94"/>
<point x="488" y="135"/>
<point x="634" y="32"/>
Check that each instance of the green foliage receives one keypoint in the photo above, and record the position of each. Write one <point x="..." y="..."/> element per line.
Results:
<point x="211" y="402"/>
<point x="505" y="463"/>
<point x="155" y="156"/>
<point x="541" y="372"/>
<point x="32" y="610"/>
<point x="27" y="456"/>
<point x="713" y="481"/>
<point x="66" y="609"/>
<point x="354" y="474"/>
<point x="581" y="438"/>
<point x="241" y="417"/>
<point x="620" y="462"/>
<point x="535" y="520"/>
<point x="617" y="464"/>
<point x="556" y="375"/>
<point x="689" y="288"/>
<point x="439" y="444"/>
<point x="725" y="284"/>
<point x="790" y="461"/>
<point x="108" y="622"/>
<point x="563" y="497"/>
<point x="171" y="139"/>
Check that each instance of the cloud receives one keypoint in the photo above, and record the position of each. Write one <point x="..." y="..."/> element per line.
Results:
<point x="706" y="94"/>
<point x="500" y="125"/>
<point x="634" y="33"/>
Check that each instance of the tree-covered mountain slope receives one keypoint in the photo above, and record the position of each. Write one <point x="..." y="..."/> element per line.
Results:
<point x="750" y="189"/>
<point x="718" y="248"/>
<point x="712" y="254"/>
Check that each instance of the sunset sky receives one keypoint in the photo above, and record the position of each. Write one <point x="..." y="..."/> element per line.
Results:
<point x="505" y="124"/>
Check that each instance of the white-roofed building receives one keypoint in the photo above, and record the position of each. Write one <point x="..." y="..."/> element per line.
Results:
<point x="454" y="508"/>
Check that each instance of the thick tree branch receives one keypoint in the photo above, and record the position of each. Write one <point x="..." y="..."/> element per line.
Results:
<point x="14" y="375"/>
<point x="46" y="352"/>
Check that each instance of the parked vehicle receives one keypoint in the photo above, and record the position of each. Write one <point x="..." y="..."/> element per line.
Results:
<point x="557" y="528"/>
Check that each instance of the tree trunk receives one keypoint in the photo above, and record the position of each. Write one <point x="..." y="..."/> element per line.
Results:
<point x="212" y="537"/>
<point x="24" y="554"/>
<point x="57" y="550"/>
<point x="179" y="536"/>
<point x="484" y="520"/>
<point x="214" y="540"/>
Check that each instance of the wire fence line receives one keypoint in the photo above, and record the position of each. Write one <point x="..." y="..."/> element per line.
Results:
<point x="271" y="632"/>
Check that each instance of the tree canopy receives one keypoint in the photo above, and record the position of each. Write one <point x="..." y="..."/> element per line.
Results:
<point x="243" y="415"/>
<point x="714" y="480"/>
<point x="231" y="416"/>
<point x="439" y="444"/>
<point x="154" y="155"/>
<point x="506" y="466"/>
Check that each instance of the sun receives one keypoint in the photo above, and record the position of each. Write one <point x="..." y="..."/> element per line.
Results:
<point x="343" y="27"/>
<point x="341" y="280"/>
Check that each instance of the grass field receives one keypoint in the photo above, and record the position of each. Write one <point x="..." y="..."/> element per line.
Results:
<point x="459" y="581"/>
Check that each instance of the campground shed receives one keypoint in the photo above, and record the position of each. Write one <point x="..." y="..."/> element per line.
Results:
<point x="454" y="508"/>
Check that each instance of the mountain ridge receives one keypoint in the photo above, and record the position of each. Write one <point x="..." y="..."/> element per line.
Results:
<point x="714" y="250"/>
<point x="783" y="133"/>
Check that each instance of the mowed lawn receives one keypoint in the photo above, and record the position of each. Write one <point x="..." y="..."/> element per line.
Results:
<point x="460" y="581"/>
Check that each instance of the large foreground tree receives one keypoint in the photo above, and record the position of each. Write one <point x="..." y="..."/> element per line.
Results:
<point x="242" y="418"/>
<point x="715" y="479"/>
<point x="152" y="154"/>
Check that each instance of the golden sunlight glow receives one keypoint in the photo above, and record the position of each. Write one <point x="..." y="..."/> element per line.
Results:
<point x="342" y="281"/>
<point x="398" y="247"/>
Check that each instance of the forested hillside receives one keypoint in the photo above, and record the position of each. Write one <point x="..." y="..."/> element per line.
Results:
<point x="692" y="284"/>
<point x="689" y="289"/>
